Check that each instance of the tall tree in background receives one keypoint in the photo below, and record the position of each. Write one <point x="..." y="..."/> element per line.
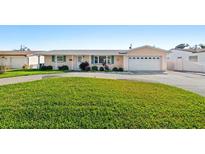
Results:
<point x="182" y="46"/>
<point x="202" y="46"/>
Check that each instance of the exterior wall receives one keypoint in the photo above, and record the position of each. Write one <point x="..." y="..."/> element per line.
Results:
<point x="74" y="65"/>
<point x="118" y="62"/>
<point x="183" y="63"/>
<point x="147" y="52"/>
<point x="176" y="53"/>
<point x="48" y="61"/>
<point x="15" y="62"/>
<point x="201" y="58"/>
<point x="33" y="61"/>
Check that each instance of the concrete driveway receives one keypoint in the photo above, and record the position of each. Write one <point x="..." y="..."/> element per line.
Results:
<point x="194" y="82"/>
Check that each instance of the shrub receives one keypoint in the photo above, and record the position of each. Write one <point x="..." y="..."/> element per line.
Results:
<point x="87" y="68"/>
<point x="25" y="66"/>
<point x="101" y="69"/>
<point x="49" y="67"/>
<point x="115" y="69"/>
<point x="83" y="65"/>
<point x="46" y="68"/>
<point x="63" y="68"/>
<point x="94" y="68"/>
<point x="120" y="69"/>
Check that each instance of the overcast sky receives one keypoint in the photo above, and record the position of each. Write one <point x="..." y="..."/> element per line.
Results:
<point x="98" y="37"/>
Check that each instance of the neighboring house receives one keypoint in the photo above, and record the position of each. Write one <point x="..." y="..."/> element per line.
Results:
<point x="187" y="60"/>
<point x="17" y="59"/>
<point x="145" y="58"/>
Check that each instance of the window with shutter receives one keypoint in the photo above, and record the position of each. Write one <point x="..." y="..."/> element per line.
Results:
<point x="92" y="59"/>
<point x="64" y="58"/>
<point x="113" y="60"/>
<point x="53" y="58"/>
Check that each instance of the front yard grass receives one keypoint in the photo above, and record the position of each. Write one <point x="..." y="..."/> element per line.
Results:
<point x="15" y="73"/>
<point x="99" y="103"/>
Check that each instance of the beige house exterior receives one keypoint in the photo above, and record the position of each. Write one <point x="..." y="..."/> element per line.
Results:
<point x="145" y="58"/>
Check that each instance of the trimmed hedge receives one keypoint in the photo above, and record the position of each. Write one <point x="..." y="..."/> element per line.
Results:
<point x="46" y="68"/>
<point x="120" y="69"/>
<point x="87" y="68"/>
<point x="101" y="69"/>
<point x="94" y="68"/>
<point x="115" y="69"/>
<point x="63" y="68"/>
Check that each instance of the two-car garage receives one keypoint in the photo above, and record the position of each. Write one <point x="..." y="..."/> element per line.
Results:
<point x="146" y="58"/>
<point x="144" y="63"/>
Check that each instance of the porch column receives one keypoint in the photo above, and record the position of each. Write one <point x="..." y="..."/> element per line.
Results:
<point x="125" y="63"/>
<point x="56" y="63"/>
<point x="89" y="59"/>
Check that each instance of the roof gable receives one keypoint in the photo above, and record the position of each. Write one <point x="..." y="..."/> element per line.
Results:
<point x="147" y="47"/>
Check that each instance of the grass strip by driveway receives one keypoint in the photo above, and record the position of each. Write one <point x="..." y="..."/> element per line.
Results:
<point x="99" y="103"/>
<point x="15" y="73"/>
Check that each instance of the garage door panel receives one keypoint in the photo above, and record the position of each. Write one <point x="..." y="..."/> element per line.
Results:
<point x="144" y="63"/>
<point x="17" y="62"/>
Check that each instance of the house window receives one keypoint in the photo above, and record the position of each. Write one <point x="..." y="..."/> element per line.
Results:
<point x="102" y="59"/>
<point x="193" y="58"/>
<point x="96" y="59"/>
<point x="53" y="58"/>
<point x="109" y="59"/>
<point x="59" y="58"/>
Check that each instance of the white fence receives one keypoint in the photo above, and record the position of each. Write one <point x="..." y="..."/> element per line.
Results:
<point x="184" y="65"/>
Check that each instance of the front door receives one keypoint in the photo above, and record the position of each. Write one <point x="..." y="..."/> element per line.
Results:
<point x="79" y="61"/>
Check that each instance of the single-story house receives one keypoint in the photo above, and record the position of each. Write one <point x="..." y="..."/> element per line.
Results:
<point x="17" y="59"/>
<point x="187" y="60"/>
<point x="145" y="58"/>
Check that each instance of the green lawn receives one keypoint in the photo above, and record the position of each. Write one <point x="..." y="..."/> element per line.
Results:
<point x="15" y="73"/>
<point x="99" y="103"/>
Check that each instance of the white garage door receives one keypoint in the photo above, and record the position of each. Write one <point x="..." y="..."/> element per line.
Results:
<point x="144" y="63"/>
<point x="18" y="62"/>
